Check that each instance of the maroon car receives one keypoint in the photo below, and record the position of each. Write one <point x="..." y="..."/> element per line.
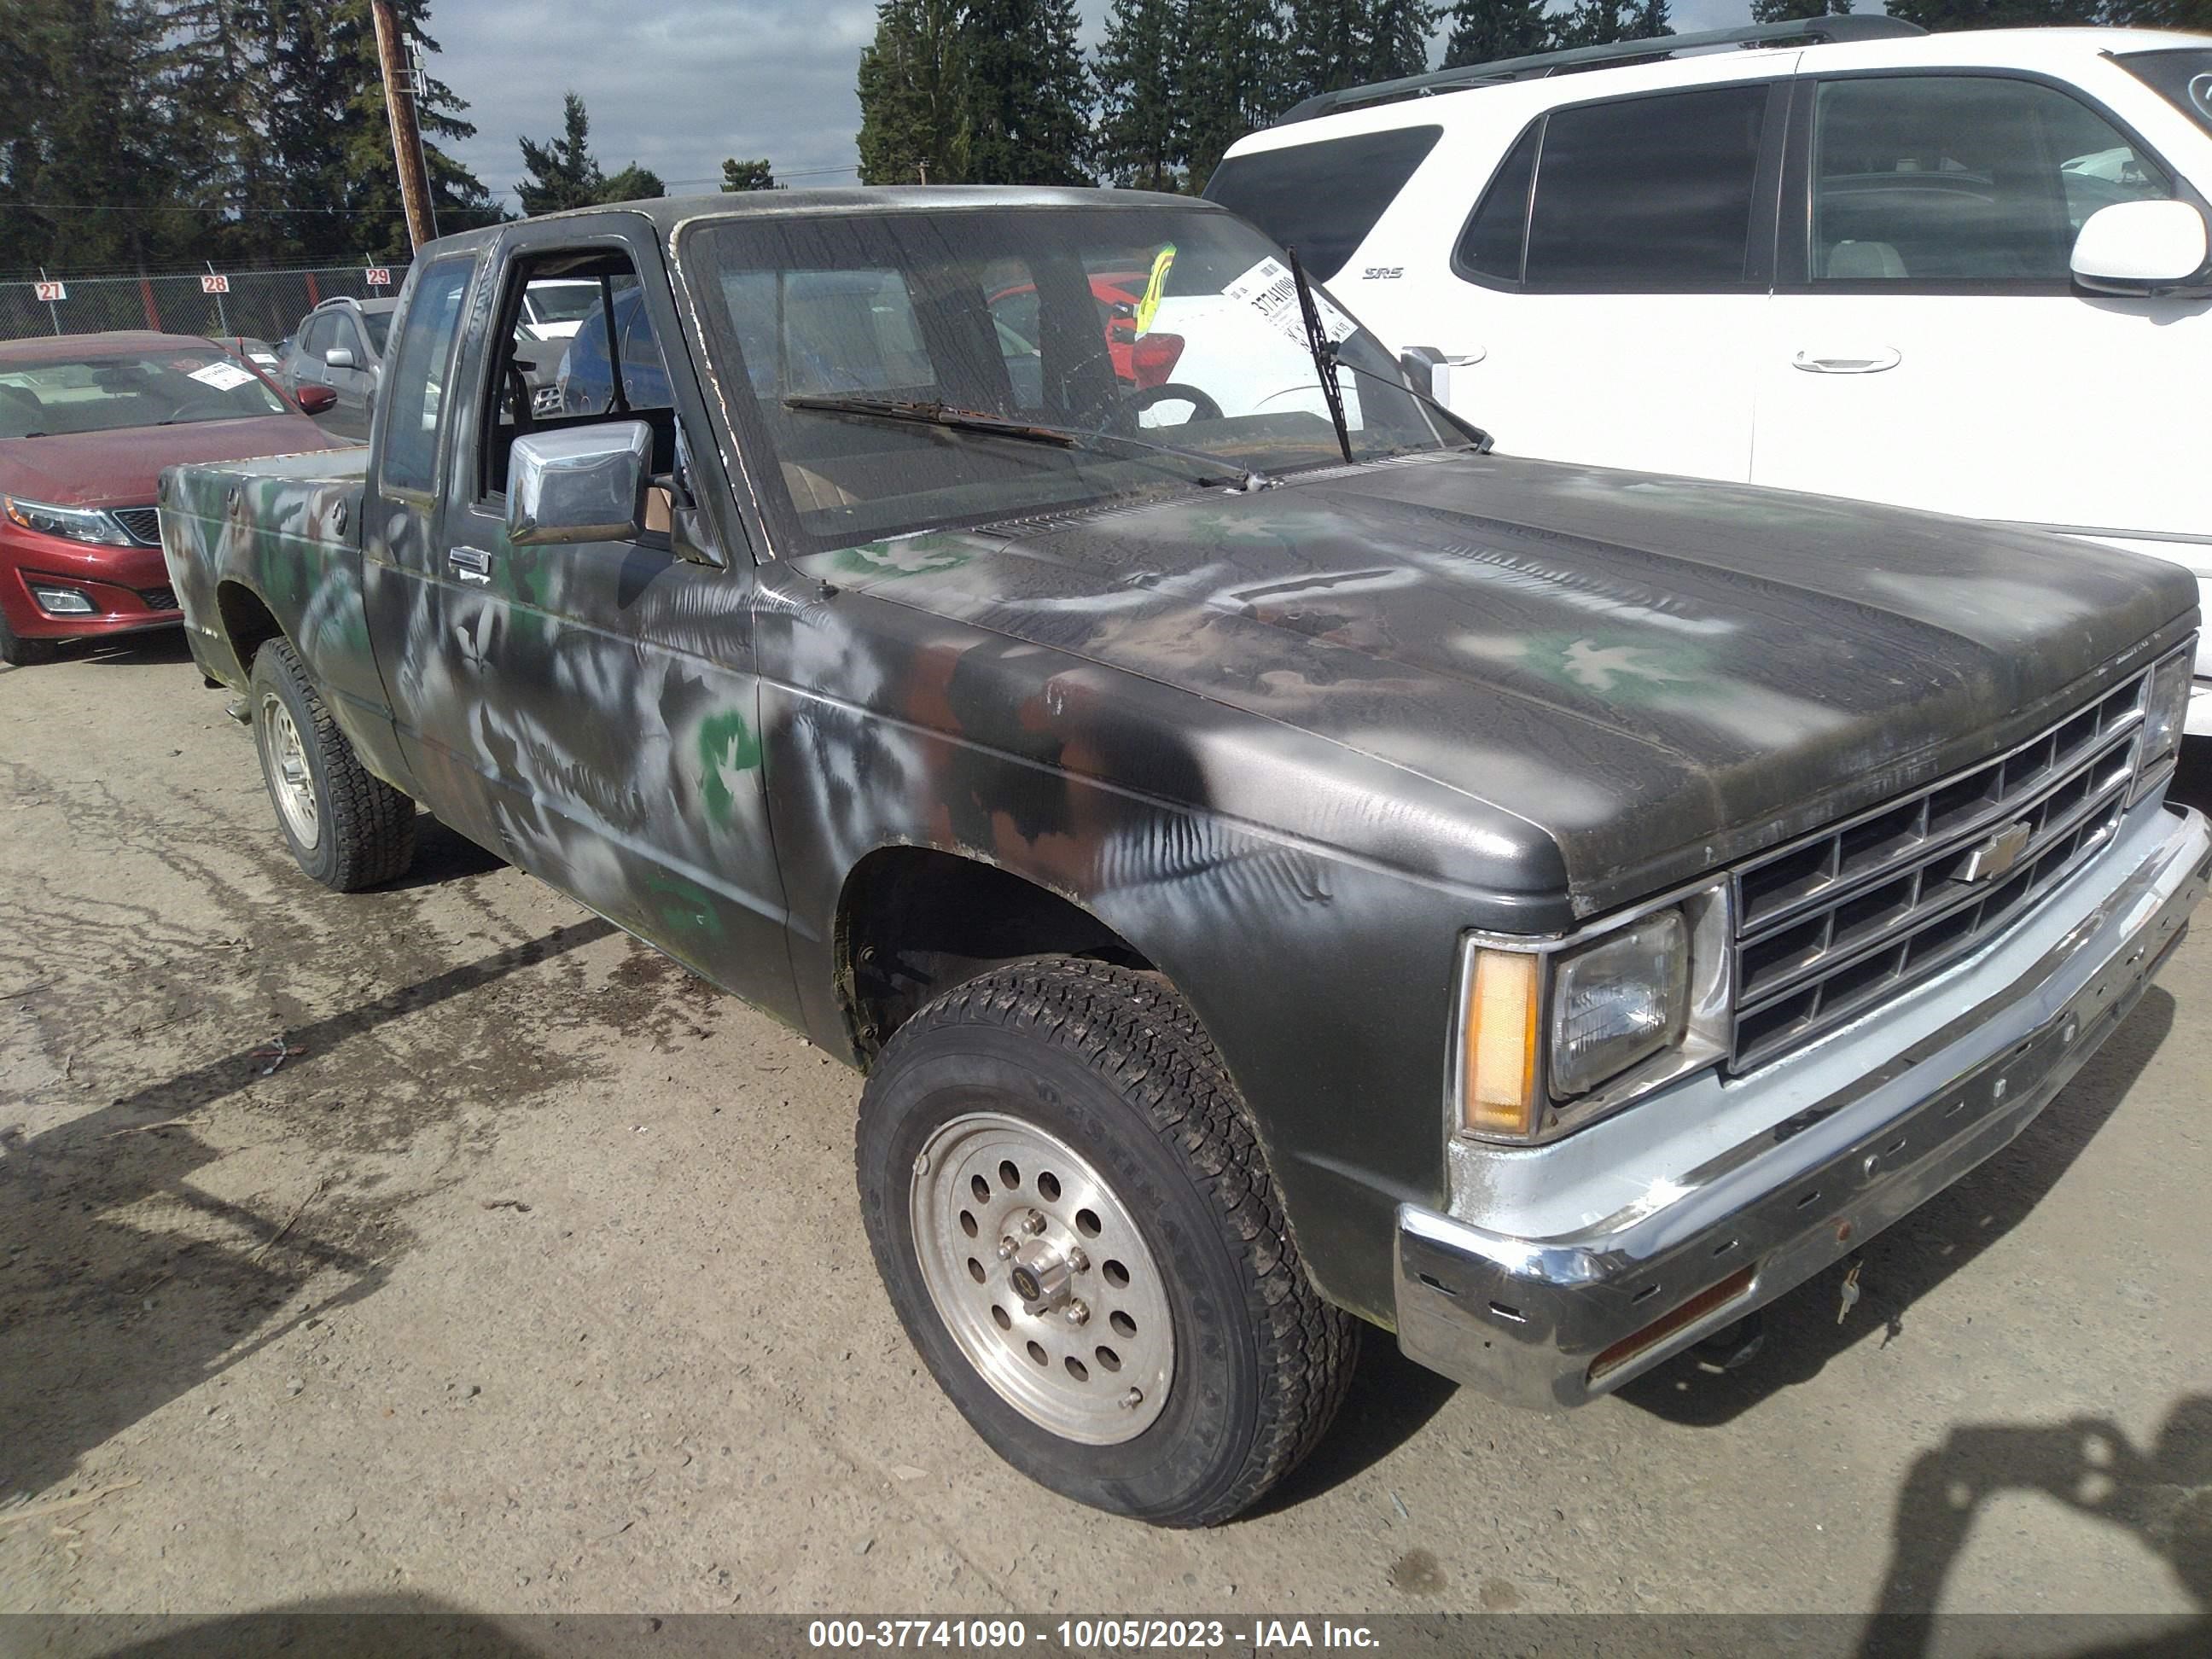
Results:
<point x="87" y="424"/>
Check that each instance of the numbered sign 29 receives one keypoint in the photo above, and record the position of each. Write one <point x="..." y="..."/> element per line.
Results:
<point x="49" y="292"/>
<point x="214" y="283"/>
<point x="380" y="277"/>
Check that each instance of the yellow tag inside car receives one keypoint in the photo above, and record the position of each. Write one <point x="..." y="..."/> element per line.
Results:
<point x="1154" y="286"/>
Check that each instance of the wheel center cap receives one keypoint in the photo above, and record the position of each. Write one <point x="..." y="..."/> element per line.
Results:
<point x="1041" y="1275"/>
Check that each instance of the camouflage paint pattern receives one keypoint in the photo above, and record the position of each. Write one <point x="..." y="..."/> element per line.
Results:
<point x="1288" y="744"/>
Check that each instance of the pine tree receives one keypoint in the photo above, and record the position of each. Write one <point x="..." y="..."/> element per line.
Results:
<point x="91" y="124"/>
<point x="1142" y="137"/>
<point x="562" y="171"/>
<point x="1327" y="45"/>
<point x="1490" y="31"/>
<point x="1026" y="95"/>
<point x="370" y="182"/>
<point x="748" y="175"/>
<point x="913" y="117"/>
<point x="1235" y="76"/>
<point x="1398" y="38"/>
<point x="1601" y="23"/>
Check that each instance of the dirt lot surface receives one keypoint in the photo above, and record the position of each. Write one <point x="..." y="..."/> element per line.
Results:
<point x="532" y="1279"/>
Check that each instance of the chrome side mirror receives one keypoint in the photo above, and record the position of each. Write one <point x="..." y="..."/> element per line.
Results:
<point x="2139" y="248"/>
<point x="339" y="357"/>
<point x="584" y="484"/>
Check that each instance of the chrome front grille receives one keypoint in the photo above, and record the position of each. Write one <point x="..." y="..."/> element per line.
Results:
<point x="142" y="524"/>
<point x="1834" y="923"/>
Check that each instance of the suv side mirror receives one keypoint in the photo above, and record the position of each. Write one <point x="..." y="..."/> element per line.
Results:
<point x="584" y="484"/>
<point x="1427" y="371"/>
<point x="2144" y="248"/>
<point x="339" y="357"/>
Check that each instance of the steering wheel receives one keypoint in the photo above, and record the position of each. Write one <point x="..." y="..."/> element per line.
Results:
<point x="1121" y="410"/>
<point x="519" y="392"/>
<point x="203" y="409"/>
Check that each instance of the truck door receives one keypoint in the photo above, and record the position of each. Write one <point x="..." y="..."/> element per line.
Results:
<point x="596" y="706"/>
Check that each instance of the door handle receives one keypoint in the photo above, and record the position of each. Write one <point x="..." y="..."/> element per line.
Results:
<point x="1864" y="362"/>
<point x="470" y="564"/>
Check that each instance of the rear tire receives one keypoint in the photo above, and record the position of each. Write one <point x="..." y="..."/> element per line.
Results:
<point x="346" y="828"/>
<point x="19" y="652"/>
<point x="1075" y="1108"/>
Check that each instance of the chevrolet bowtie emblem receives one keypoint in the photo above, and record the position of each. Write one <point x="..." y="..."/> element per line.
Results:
<point x="1996" y="855"/>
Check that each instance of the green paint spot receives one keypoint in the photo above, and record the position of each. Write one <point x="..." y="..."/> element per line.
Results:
<point x="907" y="556"/>
<point x="686" y="908"/>
<point x="726" y="744"/>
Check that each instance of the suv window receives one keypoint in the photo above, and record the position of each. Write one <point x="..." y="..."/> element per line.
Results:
<point x="1647" y="194"/>
<point x="317" y="338"/>
<point x="1322" y="198"/>
<point x="2184" y="78"/>
<point x="419" y="376"/>
<point x="1498" y="235"/>
<point x="1959" y="177"/>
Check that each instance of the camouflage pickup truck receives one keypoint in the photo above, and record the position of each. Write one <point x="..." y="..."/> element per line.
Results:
<point x="1279" y="867"/>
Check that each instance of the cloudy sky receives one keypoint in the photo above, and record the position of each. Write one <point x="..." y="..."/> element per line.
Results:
<point x="677" y="85"/>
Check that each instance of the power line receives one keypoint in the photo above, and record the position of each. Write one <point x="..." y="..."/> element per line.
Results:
<point x="186" y="207"/>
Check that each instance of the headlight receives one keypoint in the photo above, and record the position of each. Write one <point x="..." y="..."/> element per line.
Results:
<point x="78" y="524"/>
<point x="1619" y="1000"/>
<point x="1554" y="1032"/>
<point x="2166" y="711"/>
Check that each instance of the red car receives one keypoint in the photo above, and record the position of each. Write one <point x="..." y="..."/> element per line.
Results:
<point x="87" y="424"/>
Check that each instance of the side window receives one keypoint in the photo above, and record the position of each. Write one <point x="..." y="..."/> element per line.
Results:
<point x="1497" y="234"/>
<point x="1322" y="198"/>
<point x="345" y="334"/>
<point x="1648" y="194"/>
<point x="317" y="340"/>
<point x="419" y="375"/>
<point x="1944" y="178"/>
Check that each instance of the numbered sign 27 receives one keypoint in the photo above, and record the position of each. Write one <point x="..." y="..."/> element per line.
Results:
<point x="51" y="292"/>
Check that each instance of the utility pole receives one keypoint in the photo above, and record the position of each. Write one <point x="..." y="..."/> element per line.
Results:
<point x="406" y="137"/>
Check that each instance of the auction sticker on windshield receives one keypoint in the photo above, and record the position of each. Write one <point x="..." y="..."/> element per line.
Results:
<point x="1270" y="290"/>
<point x="223" y="377"/>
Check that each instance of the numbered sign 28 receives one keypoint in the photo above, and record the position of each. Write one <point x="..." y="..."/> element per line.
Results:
<point x="214" y="283"/>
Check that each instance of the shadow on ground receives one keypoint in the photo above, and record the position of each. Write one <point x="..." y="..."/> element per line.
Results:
<point x="123" y="1284"/>
<point x="2160" y="1493"/>
<point x="1902" y="1265"/>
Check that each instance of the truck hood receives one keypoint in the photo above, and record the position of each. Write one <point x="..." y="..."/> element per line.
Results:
<point x="118" y="468"/>
<point x="1660" y="674"/>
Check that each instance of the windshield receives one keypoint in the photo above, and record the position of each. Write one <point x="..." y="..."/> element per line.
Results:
<point x="170" y="387"/>
<point x="379" y="324"/>
<point x="563" y="302"/>
<point x="1178" y="325"/>
<point x="2184" y="77"/>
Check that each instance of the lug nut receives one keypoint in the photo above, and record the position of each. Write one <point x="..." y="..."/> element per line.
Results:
<point x="1007" y="1247"/>
<point x="1132" y="1400"/>
<point x="1033" y="1224"/>
<point x="1077" y="1313"/>
<point x="1077" y="1262"/>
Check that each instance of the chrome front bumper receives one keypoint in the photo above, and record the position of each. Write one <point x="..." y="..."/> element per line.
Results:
<point x="1548" y="1320"/>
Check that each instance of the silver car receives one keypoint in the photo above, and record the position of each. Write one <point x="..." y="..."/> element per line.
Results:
<point x="339" y="345"/>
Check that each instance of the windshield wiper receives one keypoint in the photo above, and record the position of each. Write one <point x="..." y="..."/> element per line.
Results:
<point x="1475" y="435"/>
<point x="1324" y="354"/>
<point x="999" y="426"/>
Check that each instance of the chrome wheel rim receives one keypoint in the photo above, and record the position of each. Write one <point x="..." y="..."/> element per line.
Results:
<point x="290" y="780"/>
<point x="1040" y="1273"/>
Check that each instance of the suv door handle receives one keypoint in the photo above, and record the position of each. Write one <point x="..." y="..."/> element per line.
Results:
<point x="1864" y="362"/>
<point x="470" y="564"/>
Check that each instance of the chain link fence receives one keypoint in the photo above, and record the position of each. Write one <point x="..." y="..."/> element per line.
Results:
<point x="264" y="305"/>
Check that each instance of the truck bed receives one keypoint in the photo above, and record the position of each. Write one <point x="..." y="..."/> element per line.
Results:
<point x="285" y="529"/>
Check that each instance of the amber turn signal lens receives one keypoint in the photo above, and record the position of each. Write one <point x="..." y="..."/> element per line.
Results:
<point x="1497" y="1094"/>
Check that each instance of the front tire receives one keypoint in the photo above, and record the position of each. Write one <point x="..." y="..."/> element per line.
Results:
<point x="347" y="828"/>
<point x="1076" y="1224"/>
<point x="19" y="652"/>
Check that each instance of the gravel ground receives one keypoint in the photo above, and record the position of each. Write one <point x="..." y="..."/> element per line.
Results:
<point x="533" y="1280"/>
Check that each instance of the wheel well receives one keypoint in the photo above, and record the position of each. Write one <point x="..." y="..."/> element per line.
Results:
<point x="914" y="921"/>
<point x="247" y="623"/>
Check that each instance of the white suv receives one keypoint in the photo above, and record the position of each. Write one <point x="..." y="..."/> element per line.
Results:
<point x="1968" y="273"/>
